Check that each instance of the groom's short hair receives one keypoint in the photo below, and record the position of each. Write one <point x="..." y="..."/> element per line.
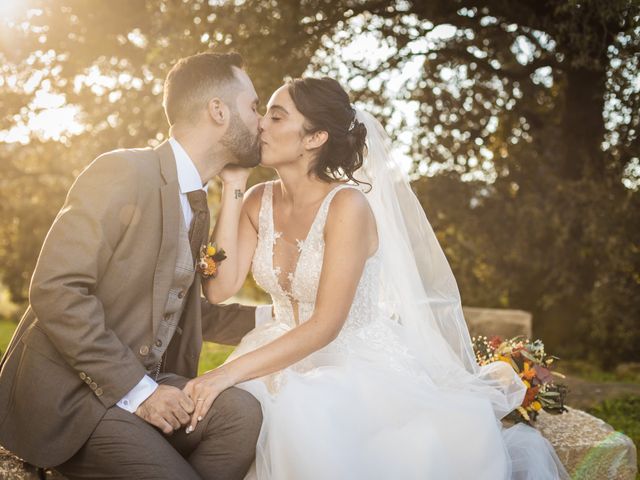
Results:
<point x="194" y="80"/>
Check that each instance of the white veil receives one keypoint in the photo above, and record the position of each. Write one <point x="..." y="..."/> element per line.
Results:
<point x="420" y="291"/>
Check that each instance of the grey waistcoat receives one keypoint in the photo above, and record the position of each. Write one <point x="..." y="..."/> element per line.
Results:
<point x="178" y="294"/>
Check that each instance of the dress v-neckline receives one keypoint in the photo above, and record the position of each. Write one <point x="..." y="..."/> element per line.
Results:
<point x="299" y="243"/>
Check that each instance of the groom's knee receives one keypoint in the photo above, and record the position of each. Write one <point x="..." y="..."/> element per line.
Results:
<point x="241" y="413"/>
<point x="228" y="443"/>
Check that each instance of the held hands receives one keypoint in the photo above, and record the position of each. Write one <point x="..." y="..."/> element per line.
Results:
<point x="203" y="390"/>
<point x="167" y="408"/>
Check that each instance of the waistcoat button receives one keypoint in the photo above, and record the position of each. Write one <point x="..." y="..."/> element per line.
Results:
<point x="144" y="350"/>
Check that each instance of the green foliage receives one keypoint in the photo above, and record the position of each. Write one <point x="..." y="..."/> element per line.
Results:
<point x="575" y="268"/>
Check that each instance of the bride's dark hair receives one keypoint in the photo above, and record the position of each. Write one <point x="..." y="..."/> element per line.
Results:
<point x="326" y="107"/>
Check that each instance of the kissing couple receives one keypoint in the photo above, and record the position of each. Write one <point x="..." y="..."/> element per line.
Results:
<point x="362" y="368"/>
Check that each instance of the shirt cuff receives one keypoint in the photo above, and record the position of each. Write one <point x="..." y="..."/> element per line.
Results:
<point x="263" y="314"/>
<point x="138" y="394"/>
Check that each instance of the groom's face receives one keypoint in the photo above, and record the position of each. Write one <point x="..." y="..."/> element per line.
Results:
<point x="242" y="137"/>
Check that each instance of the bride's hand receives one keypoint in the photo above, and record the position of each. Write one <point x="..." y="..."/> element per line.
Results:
<point x="203" y="390"/>
<point x="234" y="175"/>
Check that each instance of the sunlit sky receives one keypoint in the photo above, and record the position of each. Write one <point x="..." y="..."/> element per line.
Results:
<point x="51" y="118"/>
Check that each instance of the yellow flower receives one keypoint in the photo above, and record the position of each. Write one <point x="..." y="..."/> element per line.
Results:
<point x="536" y="406"/>
<point x="509" y="361"/>
<point x="211" y="250"/>
<point x="526" y="383"/>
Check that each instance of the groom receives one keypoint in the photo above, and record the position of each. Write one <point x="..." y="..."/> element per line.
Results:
<point x="92" y="380"/>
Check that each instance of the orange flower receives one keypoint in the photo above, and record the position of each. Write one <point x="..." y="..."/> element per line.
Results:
<point x="208" y="267"/>
<point x="529" y="373"/>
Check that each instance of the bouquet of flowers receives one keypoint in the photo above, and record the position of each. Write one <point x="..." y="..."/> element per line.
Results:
<point x="535" y="368"/>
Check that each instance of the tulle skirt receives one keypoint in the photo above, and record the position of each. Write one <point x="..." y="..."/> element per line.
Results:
<point x="342" y="415"/>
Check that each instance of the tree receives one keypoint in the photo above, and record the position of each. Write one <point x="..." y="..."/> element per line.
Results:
<point x="539" y="101"/>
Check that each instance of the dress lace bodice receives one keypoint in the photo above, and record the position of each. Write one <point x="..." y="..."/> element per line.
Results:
<point x="367" y="329"/>
<point x="295" y="305"/>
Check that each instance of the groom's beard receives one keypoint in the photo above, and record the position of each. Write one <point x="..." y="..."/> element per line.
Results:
<point x="244" y="146"/>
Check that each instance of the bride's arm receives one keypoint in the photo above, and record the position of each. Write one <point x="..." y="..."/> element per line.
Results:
<point x="236" y="233"/>
<point x="350" y="238"/>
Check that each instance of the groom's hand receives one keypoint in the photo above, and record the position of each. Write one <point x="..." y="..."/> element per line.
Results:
<point x="167" y="408"/>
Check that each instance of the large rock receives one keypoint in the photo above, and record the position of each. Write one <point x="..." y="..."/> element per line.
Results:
<point x="589" y="448"/>
<point x="497" y="321"/>
<point x="12" y="468"/>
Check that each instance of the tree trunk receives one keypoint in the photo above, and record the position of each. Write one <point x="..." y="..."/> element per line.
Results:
<point x="583" y="124"/>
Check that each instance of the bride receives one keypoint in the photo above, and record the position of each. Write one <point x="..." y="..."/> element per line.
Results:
<point x="366" y="370"/>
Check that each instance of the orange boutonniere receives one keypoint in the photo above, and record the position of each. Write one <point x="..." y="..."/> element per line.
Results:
<point x="210" y="257"/>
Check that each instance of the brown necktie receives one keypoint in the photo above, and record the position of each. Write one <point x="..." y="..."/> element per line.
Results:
<point x="199" y="229"/>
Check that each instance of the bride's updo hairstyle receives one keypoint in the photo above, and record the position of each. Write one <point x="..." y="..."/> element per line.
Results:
<point x="326" y="107"/>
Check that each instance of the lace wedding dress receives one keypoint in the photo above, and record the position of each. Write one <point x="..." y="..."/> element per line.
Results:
<point x="364" y="407"/>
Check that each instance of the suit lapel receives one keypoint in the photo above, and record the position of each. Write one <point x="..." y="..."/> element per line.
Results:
<point x="166" y="265"/>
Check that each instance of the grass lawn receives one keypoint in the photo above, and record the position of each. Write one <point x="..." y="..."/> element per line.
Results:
<point x="592" y="373"/>
<point x="212" y="355"/>
<point x="623" y="414"/>
<point x="6" y="331"/>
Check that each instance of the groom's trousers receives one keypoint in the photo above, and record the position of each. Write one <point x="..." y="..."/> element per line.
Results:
<point x="123" y="446"/>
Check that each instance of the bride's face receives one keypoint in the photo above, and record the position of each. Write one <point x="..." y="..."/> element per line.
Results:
<point x="282" y="133"/>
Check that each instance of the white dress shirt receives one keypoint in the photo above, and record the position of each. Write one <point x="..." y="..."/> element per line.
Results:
<point x="189" y="180"/>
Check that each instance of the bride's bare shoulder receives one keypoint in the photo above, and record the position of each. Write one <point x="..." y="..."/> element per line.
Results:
<point x="350" y="200"/>
<point x="351" y="214"/>
<point x="350" y="204"/>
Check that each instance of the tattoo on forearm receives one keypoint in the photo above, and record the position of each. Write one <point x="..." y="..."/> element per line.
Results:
<point x="238" y="193"/>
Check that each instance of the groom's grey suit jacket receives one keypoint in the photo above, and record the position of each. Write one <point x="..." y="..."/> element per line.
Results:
<point x="97" y="299"/>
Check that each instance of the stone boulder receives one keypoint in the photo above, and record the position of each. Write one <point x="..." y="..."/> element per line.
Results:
<point x="497" y="321"/>
<point x="589" y="448"/>
<point x="12" y="468"/>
